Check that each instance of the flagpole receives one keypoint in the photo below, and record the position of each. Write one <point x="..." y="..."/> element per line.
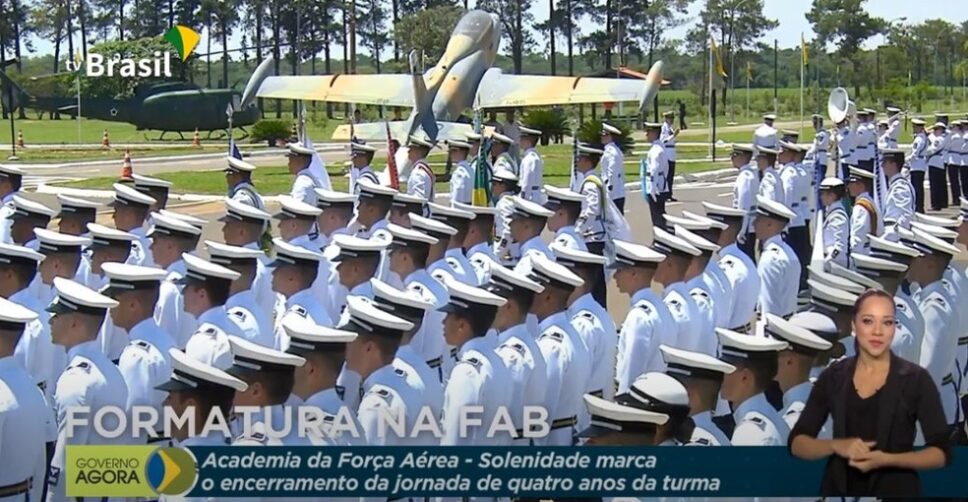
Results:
<point x="712" y="93"/>
<point x="803" y="48"/>
<point x="749" y="74"/>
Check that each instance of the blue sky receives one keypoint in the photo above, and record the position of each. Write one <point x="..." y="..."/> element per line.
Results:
<point x="789" y="13"/>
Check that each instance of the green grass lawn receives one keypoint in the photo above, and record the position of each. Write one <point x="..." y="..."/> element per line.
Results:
<point x="37" y="154"/>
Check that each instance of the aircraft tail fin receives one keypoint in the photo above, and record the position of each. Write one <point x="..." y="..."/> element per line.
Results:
<point x="6" y="80"/>
<point x="423" y="101"/>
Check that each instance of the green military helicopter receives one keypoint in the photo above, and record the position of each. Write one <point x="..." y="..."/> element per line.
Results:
<point x="171" y="107"/>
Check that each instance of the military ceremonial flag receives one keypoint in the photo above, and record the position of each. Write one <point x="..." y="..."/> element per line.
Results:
<point x="720" y="68"/>
<point x="392" y="160"/>
<point x="481" y="196"/>
<point x="804" y="51"/>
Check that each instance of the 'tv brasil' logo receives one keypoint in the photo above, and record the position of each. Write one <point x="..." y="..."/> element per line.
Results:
<point x="182" y="38"/>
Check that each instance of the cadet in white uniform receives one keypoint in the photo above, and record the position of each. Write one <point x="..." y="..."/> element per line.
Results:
<point x="676" y="295"/>
<point x="205" y="288"/>
<point x="937" y="141"/>
<point x="90" y="379"/>
<point x="144" y="362"/>
<point x="324" y="350"/>
<point x="648" y="323"/>
<point x="704" y="295"/>
<point x="532" y="166"/>
<point x="355" y="265"/>
<point x="864" y="141"/>
<point x="501" y="158"/>
<point x="779" y="268"/>
<point x="459" y="219"/>
<point x="437" y="262"/>
<point x="424" y="380"/>
<point x="156" y="188"/>
<point x="203" y="388"/>
<point x="765" y="135"/>
<point x="131" y="209"/>
<point x="374" y="205"/>
<point x="337" y="211"/>
<point x="269" y="377"/>
<point x="504" y="184"/>
<point x="303" y="183"/>
<point x="527" y="223"/>
<point x="384" y="391"/>
<point x="745" y="188"/>
<point x="170" y="239"/>
<point x="953" y="158"/>
<point x="361" y="157"/>
<point x="898" y="207"/>
<point x="939" y="349"/>
<point x="297" y="222"/>
<point x="480" y="250"/>
<point x="408" y="261"/>
<point x="757" y="422"/>
<point x="792" y="180"/>
<point x="591" y="320"/>
<point x="738" y="268"/>
<point x="819" y="150"/>
<point x="613" y="168"/>
<point x="662" y="393"/>
<point x="713" y="234"/>
<point x="702" y="376"/>
<point x="22" y="414"/>
<point x="62" y="257"/>
<point x="238" y="176"/>
<point x="918" y="163"/>
<point x="10" y="180"/>
<point x="293" y="274"/>
<point x="655" y="178"/>
<point x="836" y="223"/>
<point x="35" y="351"/>
<point x="568" y="360"/>
<point x="480" y="377"/>
<point x="668" y="139"/>
<point x="770" y="185"/>
<point x="27" y="215"/>
<point x="463" y="176"/>
<point x="567" y="206"/>
<point x="517" y="345"/>
<point x="590" y="224"/>
<point x="73" y="218"/>
<point x="403" y="206"/>
<point x="846" y="137"/>
<point x="794" y="364"/>
<point x="864" y="217"/>
<point x="422" y="179"/>
<point x="242" y="306"/>
<point x="243" y="226"/>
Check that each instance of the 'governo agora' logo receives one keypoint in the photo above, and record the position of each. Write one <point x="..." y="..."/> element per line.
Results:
<point x="182" y="38"/>
<point x="129" y="471"/>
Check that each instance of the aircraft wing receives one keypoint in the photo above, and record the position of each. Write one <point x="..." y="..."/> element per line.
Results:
<point x="500" y="90"/>
<point x="382" y="89"/>
<point x="377" y="131"/>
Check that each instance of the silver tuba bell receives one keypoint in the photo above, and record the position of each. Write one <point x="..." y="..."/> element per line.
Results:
<point x="839" y="105"/>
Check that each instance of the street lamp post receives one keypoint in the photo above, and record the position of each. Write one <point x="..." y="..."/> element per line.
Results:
<point x="10" y="111"/>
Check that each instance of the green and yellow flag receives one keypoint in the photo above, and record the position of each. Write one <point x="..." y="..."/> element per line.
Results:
<point x="804" y="51"/>
<point x="481" y="196"/>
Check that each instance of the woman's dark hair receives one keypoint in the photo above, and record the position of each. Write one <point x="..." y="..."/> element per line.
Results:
<point x="870" y="293"/>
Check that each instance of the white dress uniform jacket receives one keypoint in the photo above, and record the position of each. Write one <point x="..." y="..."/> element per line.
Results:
<point x="770" y="185"/>
<point x="170" y="311"/>
<point x="145" y="364"/>
<point x="423" y="379"/>
<point x="529" y="372"/>
<point x="613" y="172"/>
<point x="140" y="248"/>
<point x="502" y="228"/>
<point x="918" y="158"/>
<point x="209" y="342"/>
<point x="303" y="304"/>
<point x="22" y="434"/>
<point x="330" y="401"/>
<point x="707" y="433"/>
<point x="836" y="234"/>
<point x="898" y="205"/>
<point x="246" y="193"/>
<point x="860" y="226"/>
<point x="386" y="393"/>
<point x="590" y="224"/>
<point x="421" y="182"/>
<point x="569" y="369"/>
<point x="721" y="290"/>
<point x="705" y="321"/>
<point x="764" y="136"/>
<point x="533" y="246"/>
<point x="910" y="327"/>
<point x="940" y="343"/>
<point x="647" y="325"/>
<point x="479" y="378"/>
<point x="358" y="173"/>
<point x="532" y="174"/>
<point x="845" y="146"/>
<point x="794" y="399"/>
<point x="245" y="312"/>
<point x="462" y="182"/>
<point x="758" y="424"/>
<point x="745" y="188"/>
<point x="935" y="150"/>
<point x="779" y="271"/>
<point x="35" y="351"/>
<point x="304" y="187"/>
<point x="667" y="135"/>
<point x="89" y="380"/>
<point x="481" y="256"/>
<point x="262" y="284"/>
<point x="568" y="237"/>
<point x="597" y="330"/>
<point x="459" y="266"/>
<point x="688" y="326"/>
<point x="6" y="211"/>
<point x="429" y="340"/>
<point x="266" y="422"/>
<point x="818" y="150"/>
<point x="864" y="142"/>
<point x="744" y="282"/>
<point x="790" y="188"/>
<point x="658" y="170"/>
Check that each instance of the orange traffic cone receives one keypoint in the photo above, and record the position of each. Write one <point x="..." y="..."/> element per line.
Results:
<point x="20" y="139"/>
<point x="126" y="170"/>
<point x="196" y="139"/>
<point x="105" y="142"/>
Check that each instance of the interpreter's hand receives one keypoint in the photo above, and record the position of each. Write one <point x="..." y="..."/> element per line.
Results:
<point x="850" y="447"/>
<point x="869" y="461"/>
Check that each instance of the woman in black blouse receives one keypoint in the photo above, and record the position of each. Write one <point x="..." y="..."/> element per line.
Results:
<point x="876" y="399"/>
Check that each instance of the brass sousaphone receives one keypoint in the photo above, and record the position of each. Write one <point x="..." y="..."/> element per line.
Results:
<point x="839" y="105"/>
